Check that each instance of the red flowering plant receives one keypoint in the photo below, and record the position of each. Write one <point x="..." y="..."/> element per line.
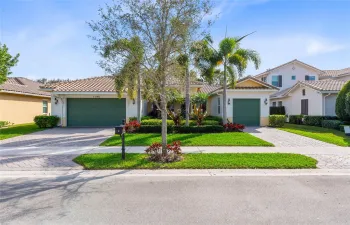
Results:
<point x="174" y="153"/>
<point x="233" y="127"/>
<point x="132" y="126"/>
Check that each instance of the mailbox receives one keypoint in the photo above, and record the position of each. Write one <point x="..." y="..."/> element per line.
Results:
<point x="119" y="130"/>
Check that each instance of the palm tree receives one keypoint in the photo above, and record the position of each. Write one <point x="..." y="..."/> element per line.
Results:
<point x="129" y="76"/>
<point x="229" y="55"/>
<point x="184" y="61"/>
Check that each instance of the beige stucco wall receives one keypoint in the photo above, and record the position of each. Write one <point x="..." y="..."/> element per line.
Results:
<point x="19" y="109"/>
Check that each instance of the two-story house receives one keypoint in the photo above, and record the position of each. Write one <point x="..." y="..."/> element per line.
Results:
<point x="305" y="89"/>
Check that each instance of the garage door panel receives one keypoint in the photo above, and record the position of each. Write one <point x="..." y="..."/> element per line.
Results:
<point x="89" y="112"/>
<point x="246" y="111"/>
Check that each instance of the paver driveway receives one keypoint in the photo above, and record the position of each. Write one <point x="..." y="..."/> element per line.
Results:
<point x="60" y="137"/>
<point x="282" y="138"/>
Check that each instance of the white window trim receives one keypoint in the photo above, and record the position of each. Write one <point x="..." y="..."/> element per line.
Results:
<point x="47" y="107"/>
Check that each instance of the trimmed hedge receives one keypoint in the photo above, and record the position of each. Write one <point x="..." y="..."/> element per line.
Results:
<point x="158" y="122"/>
<point x="277" y="110"/>
<point x="147" y="118"/>
<point x="277" y="120"/>
<point x="296" y="119"/>
<point x="332" y="124"/>
<point x="183" y="129"/>
<point x="216" y="118"/>
<point x="46" y="121"/>
<point x="313" y="120"/>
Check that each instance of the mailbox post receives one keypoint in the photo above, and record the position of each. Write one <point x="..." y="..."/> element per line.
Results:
<point x="121" y="131"/>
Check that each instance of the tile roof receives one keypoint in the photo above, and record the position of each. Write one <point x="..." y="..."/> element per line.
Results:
<point x="335" y="73"/>
<point x="94" y="84"/>
<point x="320" y="85"/>
<point x="212" y="88"/>
<point x="325" y="85"/>
<point x="22" y="86"/>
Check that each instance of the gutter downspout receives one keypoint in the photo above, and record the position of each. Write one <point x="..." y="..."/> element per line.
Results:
<point x="324" y="104"/>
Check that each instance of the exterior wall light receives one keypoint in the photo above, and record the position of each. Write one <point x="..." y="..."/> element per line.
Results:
<point x="133" y="101"/>
<point x="265" y="101"/>
<point x="228" y="101"/>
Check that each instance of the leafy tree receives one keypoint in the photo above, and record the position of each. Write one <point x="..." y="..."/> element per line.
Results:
<point x="162" y="27"/>
<point x="229" y="55"/>
<point x="340" y="106"/>
<point x="6" y="62"/>
<point x="199" y="99"/>
<point x="129" y="77"/>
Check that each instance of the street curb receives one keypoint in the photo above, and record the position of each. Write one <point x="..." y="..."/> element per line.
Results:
<point x="175" y="173"/>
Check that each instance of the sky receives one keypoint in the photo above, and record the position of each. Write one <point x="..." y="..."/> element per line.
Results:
<point x="51" y="35"/>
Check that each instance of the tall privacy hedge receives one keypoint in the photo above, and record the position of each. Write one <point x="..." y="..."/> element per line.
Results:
<point x="340" y="107"/>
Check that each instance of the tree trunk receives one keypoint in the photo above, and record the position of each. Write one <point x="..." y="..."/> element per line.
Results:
<point x="224" y="111"/>
<point x="187" y="96"/>
<point x="164" y="123"/>
<point x="139" y="98"/>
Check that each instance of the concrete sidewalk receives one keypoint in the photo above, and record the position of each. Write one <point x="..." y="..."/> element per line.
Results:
<point x="15" y="151"/>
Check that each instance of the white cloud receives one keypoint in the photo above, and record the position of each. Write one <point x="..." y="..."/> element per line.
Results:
<point x="315" y="47"/>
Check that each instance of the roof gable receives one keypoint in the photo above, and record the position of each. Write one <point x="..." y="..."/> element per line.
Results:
<point x="293" y="62"/>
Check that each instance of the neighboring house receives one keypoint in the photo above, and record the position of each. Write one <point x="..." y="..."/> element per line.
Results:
<point x="247" y="104"/>
<point x="21" y="100"/>
<point x="93" y="102"/>
<point x="305" y="89"/>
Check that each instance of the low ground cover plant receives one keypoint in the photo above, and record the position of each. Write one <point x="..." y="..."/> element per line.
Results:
<point x="5" y="124"/>
<point x="233" y="127"/>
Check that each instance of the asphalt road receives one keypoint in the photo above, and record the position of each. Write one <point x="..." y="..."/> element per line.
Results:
<point x="175" y="200"/>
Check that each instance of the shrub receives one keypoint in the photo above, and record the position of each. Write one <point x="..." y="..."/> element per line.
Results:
<point x="174" y="153"/>
<point x="277" y="110"/>
<point x="277" y="120"/>
<point x="332" y="124"/>
<point x="200" y="129"/>
<point x="132" y="126"/>
<point x="199" y="115"/>
<point x="132" y="119"/>
<point x="156" y="122"/>
<point x="217" y="118"/>
<point x="175" y="116"/>
<point x="313" y="120"/>
<point x="296" y="119"/>
<point x="147" y="118"/>
<point x="233" y="127"/>
<point x="43" y="121"/>
<point x="5" y="124"/>
<point x="340" y="106"/>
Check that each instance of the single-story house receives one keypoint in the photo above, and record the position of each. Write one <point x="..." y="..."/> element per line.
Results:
<point x="21" y="100"/>
<point x="247" y="104"/>
<point x="92" y="102"/>
<point x="305" y="89"/>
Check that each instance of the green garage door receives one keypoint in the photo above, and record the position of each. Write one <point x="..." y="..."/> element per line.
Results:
<point x="246" y="111"/>
<point x="95" y="112"/>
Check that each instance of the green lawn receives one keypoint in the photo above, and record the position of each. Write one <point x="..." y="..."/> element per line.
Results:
<point x="17" y="130"/>
<point x="195" y="139"/>
<point x="199" y="161"/>
<point x="319" y="133"/>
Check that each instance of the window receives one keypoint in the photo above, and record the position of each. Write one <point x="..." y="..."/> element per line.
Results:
<point x="219" y="106"/>
<point x="279" y="103"/>
<point x="45" y="107"/>
<point x="274" y="104"/>
<point x="263" y="79"/>
<point x="304" y="106"/>
<point x="293" y="77"/>
<point x="303" y="92"/>
<point x="307" y="77"/>
<point x="277" y="81"/>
